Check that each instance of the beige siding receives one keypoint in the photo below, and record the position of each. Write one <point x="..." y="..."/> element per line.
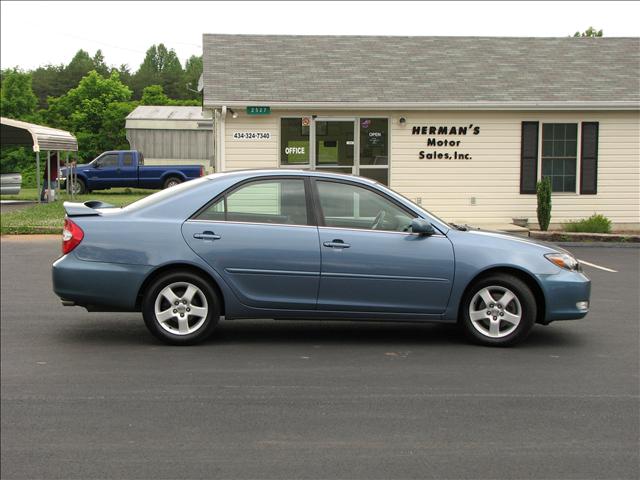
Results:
<point x="244" y="154"/>
<point x="492" y="176"/>
<point x="485" y="188"/>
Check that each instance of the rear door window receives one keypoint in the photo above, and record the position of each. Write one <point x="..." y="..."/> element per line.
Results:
<point x="127" y="159"/>
<point x="277" y="201"/>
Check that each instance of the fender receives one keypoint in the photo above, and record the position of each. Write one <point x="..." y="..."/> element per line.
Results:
<point x="173" y="173"/>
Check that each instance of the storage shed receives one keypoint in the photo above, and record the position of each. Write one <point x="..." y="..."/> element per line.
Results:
<point x="171" y="135"/>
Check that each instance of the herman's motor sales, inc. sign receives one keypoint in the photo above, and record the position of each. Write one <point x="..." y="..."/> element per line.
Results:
<point x="444" y="137"/>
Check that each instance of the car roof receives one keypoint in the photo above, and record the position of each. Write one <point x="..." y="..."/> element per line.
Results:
<point x="288" y="172"/>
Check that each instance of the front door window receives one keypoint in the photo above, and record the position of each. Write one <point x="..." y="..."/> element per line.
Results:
<point x="350" y="206"/>
<point x="335" y="145"/>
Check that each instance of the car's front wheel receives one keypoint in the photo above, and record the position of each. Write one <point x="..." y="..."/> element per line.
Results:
<point x="78" y="187"/>
<point x="181" y="308"/>
<point x="498" y="310"/>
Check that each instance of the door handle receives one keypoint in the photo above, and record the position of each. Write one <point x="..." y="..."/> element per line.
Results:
<point x="336" y="243"/>
<point x="207" y="235"/>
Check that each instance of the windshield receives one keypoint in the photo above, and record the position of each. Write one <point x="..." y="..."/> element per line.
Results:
<point x="162" y="194"/>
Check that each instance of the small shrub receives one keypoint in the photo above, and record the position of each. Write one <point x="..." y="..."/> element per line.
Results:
<point x="596" y="223"/>
<point x="543" y="190"/>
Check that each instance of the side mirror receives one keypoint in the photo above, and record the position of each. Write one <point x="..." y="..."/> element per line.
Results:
<point x="422" y="227"/>
<point x="96" y="165"/>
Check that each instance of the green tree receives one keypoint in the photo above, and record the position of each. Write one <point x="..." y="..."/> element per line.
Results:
<point x="160" y="67"/>
<point x="93" y="111"/>
<point x="589" y="32"/>
<point x="125" y="75"/>
<point x="17" y="99"/>
<point x="99" y="65"/>
<point x="78" y="67"/>
<point x="192" y="72"/>
<point x="48" y="82"/>
<point x="154" y="95"/>
<point x="112" y="132"/>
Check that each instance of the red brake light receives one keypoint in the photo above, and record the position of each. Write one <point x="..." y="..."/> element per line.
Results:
<point x="72" y="235"/>
<point x="201" y="171"/>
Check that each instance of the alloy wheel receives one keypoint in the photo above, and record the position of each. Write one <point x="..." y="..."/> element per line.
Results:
<point x="495" y="311"/>
<point x="181" y="308"/>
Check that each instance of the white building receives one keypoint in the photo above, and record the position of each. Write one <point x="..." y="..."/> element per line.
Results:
<point x="465" y="126"/>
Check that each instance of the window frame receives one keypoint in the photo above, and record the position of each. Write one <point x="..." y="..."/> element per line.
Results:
<point x="320" y="214"/>
<point x="356" y="167"/>
<point x="302" y="166"/>
<point x="311" y="212"/>
<point x="578" y="124"/>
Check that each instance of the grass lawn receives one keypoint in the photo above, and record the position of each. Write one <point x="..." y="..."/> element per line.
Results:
<point x="49" y="218"/>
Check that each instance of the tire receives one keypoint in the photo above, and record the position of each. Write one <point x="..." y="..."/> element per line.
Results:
<point x="172" y="182"/>
<point x="493" y="323"/>
<point x="178" y="324"/>
<point x="79" y="187"/>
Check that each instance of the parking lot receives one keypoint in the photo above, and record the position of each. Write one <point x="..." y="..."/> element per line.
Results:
<point x="88" y="395"/>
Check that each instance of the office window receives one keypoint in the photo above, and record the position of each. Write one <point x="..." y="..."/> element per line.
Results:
<point x="294" y="142"/>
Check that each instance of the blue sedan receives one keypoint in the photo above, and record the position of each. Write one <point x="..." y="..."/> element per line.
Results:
<point x="299" y="244"/>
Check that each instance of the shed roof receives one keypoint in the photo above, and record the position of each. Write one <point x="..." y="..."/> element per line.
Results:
<point x="15" y="132"/>
<point x="153" y="112"/>
<point x="421" y="72"/>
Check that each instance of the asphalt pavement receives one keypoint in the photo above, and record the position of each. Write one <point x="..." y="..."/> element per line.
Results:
<point x="93" y="395"/>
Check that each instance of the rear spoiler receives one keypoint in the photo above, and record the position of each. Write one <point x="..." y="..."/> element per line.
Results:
<point x="77" y="209"/>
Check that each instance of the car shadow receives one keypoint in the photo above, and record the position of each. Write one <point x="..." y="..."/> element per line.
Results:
<point x="129" y="332"/>
<point x="342" y="332"/>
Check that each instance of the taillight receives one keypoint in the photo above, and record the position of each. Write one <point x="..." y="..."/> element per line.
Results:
<point x="201" y="171"/>
<point x="72" y="235"/>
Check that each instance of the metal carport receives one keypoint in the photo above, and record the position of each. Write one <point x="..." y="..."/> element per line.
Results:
<point x="40" y="138"/>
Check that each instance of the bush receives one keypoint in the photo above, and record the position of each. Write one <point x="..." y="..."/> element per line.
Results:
<point x="596" y="223"/>
<point x="543" y="190"/>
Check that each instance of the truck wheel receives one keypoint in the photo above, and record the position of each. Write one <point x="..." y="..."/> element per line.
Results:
<point x="79" y="187"/>
<point x="172" y="182"/>
<point x="180" y="308"/>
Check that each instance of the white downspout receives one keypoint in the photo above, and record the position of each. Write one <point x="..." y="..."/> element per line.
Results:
<point x="223" y="116"/>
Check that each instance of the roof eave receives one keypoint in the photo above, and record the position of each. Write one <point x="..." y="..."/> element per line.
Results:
<point x="408" y="106"/>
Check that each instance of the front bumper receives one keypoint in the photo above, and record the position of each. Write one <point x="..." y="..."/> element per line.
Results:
<point x="565" y="294"/>
<point x="97" y="285"/>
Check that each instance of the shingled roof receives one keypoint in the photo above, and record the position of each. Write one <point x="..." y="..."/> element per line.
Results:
<point x="421" y="72"/>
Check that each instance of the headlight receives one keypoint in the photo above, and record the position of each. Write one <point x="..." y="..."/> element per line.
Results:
<point x="564" y="260"/>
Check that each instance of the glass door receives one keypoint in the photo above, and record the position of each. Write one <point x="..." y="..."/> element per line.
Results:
<point x="335" y="145"/>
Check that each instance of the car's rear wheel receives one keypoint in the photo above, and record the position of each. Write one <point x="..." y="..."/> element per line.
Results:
<point x="172" y="182"/>
<point x="498" y="310"/>
<point x="181" y="308"/>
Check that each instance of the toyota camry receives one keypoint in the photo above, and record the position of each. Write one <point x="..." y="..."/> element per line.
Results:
<point x="283" y="244"/>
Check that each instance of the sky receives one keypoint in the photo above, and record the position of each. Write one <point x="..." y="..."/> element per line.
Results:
<point x="41" y="33"/>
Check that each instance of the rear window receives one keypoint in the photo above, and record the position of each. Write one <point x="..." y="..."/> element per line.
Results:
<point x="164" y="194"/>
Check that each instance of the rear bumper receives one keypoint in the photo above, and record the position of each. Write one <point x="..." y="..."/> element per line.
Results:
<point x="97" y="285"/>
<point x="564" y="293"/>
